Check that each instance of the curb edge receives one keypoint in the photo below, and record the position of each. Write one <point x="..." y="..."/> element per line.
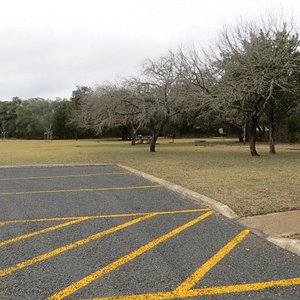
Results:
<point x="290" y="245"/>
<point x="213" y="204"/>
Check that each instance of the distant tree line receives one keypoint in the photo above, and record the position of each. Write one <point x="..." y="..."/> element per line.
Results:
<point x="248" y="83"/>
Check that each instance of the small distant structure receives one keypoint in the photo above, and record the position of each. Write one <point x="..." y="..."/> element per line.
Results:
<point x="141" y="139"/>
<point x="221" y="132"/>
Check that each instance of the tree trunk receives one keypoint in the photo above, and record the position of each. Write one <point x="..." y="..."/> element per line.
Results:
<point x="157" y="133"/>
<point x="272" y="133"/>
<point x="272" y="142"/>
<point x="238" y="130"/>
<point x="124" y="132"/>
<point x="153" y="142"/>
<point x="240" y="136"/>
<point x="252" y="135"/>
<point x="245" y="133"/>
<point x="133" y="141"/>
<point x="133" y="138"/>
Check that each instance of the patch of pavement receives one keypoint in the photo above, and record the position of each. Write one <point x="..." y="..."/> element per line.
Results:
<point x="277" y="227"/>
<point x="150" y="242"/>
<point x="279" y="224"/>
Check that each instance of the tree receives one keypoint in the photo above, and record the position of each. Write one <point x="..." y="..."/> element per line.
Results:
<point x="34" y="117"/>
<point x="77" y="99"/>
<point x="124" y="105"/>
<point x="285" y="98"/>
<point x="162" y="94"/>
<point x="254" y="65"/>
<point x="200" y="81"/>
<point x="8" y="115"/>
<point x="62" y="125"/>
<point x="148" y="102"/>
<point x="98" y="110"/>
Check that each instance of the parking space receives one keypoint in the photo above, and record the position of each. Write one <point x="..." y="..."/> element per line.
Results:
<point x="99" y="232"/>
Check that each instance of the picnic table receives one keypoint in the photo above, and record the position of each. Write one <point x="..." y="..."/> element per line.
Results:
<point x="140" y="139"/>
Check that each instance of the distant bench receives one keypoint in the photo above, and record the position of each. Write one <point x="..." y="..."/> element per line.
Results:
<point x="200" y="142"/>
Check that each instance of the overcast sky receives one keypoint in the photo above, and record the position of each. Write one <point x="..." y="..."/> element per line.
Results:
<point x="50" y="46"/>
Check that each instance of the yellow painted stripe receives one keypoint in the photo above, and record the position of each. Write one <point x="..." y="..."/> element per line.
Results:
<point x="207" y="291"/>
<point x="123" y="260"/>
<point x="105" y="216"/>
<point x="26" y="236"/>
<point x="191" y="281"/>
<point x="62" y="176"/>
<point x="80" y="190"/>
<point x="2" y="223"/>
<point x="70" y="246"/>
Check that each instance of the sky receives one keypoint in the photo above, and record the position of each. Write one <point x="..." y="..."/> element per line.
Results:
<point x="48" y="47"/>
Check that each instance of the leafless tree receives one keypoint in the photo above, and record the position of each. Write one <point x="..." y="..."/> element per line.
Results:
<point x="110" y="105"/>
<point x="255" y="63"/>
<point x="162" y="95"/>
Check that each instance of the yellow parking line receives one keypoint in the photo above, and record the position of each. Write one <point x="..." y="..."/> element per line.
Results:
<point x="70" y="246"/>
<point x="249" y="287"/>
<point x="62" y="176"/>
<point x="190" y="282"/>
<point x="2" y="223"/>
<point x="182" y="211"/>
<point x="105" y="216"/>
<point x="123" y="260"/>
<point x="81" y="190"/>
<point x="26" y="236"/>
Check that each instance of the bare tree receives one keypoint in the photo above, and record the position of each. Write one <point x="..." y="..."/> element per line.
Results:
<point x="111" y="105"/>
<point x="162" y="97"/>
<point x="197" y="81"/>
<point x="254" y="63"/>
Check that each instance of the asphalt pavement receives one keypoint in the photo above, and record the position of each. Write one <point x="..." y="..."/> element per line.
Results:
<point x="100" y="232"/>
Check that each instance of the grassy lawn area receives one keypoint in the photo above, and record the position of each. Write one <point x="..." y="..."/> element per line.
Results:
<point x="222" y="170"/>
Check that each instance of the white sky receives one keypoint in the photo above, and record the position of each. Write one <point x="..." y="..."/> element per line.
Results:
<point x="50" y="46"/>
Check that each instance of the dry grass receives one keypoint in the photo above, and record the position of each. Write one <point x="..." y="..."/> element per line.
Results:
<point x="222" y="170"/>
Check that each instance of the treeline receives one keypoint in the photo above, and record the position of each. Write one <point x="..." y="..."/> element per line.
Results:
<point x="32" y="118"/>
<point x="248" y="84"/>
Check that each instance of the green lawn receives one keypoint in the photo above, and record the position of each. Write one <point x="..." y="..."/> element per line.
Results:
<point x="222" y="170"/>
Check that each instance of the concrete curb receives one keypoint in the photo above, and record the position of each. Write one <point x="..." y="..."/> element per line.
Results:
<point x="285" y="243"/>
<point x="213" y="204"/>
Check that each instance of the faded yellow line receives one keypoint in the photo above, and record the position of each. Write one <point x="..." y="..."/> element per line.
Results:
<point x="80" y="190"/>
<point x="191" y="281"/>
<point x="26" y="236"/>
<point x="249" y="287"/>
<point x="123" y="260"/>
<point x="2" y="223"/>
<point x="106" y="216"/>
<point x="62" y="176"/>
<point x="70" y="246"/>
<point x="182" y="211"/>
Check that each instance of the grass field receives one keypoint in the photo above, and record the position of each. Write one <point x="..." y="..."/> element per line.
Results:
<point x="222" y="170"/>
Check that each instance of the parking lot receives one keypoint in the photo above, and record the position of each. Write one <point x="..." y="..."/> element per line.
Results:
<point x="100" y="232"/>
